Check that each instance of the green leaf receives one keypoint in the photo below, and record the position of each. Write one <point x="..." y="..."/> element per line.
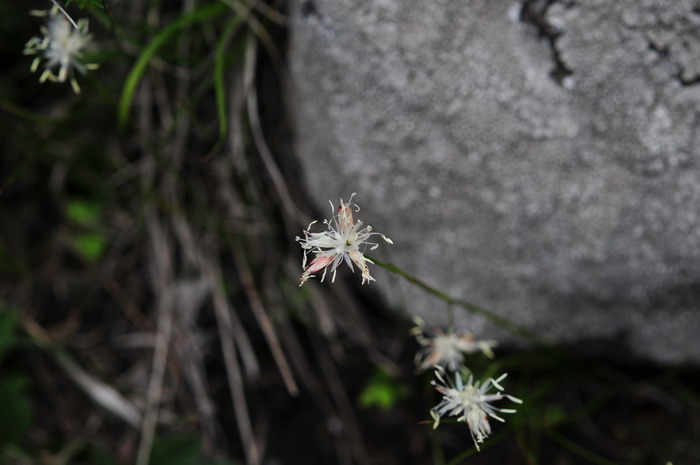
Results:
<point x="201" y="14"/>
<point x="92" y="245"/>
<point x="219" y="68"/>
<point x="83" y="212"/>
<point x="380" y="395"/>
<point x="16" y="417"/>
<point x="382" y="391"/>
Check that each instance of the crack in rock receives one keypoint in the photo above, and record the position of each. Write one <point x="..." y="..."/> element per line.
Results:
<point x="534" y="13"/>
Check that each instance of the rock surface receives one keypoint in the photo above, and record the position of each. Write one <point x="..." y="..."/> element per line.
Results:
<point x="538" y="158"/>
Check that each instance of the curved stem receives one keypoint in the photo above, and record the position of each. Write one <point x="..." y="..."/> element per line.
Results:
<point x="470" y="307"/>
<point x="64" y="13"/>
<point x="450" y="317"/>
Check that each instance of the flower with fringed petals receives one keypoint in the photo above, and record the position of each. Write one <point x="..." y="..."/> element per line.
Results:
<point x="446" y="349"/>
<point x="470" y="403"/>
<point x="344" y="240"/>
<point x="61" y="44"/>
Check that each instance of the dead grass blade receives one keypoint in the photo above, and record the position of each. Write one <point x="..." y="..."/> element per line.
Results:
<point x="223" y="312"/>
<point x="264" y="321"/>
<point x="162" y="277"/>
<point x="98" y="391"/>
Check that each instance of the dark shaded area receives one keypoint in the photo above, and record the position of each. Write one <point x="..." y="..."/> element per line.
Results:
<point x="308" y="8"/>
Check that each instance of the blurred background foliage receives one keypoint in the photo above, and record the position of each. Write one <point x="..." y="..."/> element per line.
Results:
<point x="149" y="307"/>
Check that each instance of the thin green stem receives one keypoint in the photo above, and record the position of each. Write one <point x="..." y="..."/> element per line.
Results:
<point x="468" y="306"/>
<point x="450" y="317"/>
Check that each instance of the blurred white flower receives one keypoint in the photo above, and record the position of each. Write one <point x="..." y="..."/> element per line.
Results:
<point x="344" y="240"/>
<point x="470" y="402"/>
<point x="61" y="45"/>
<point x="446" y="349"/>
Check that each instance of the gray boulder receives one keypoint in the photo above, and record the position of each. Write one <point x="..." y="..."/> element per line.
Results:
<point x="538" y="158"/>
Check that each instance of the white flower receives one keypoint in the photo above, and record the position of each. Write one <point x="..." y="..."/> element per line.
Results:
<point x="446" y="349"/>
<point x="61" y="45"/>
<point x="470" y="402"/>
<point x="344" y="240"/>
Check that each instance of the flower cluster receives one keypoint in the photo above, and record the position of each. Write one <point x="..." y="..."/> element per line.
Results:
<point x="61" y="44"/>
<point x="446" y="349"/>
<point x="344" y="240"/>
<point x="470" y="402"/>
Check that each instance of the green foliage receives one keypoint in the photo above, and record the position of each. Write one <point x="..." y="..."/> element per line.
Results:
<point x="382" y="391"/>
<point x="84" y="213"/>
<point x="219" y="68"/>
<point x="201" y="14"/>
<point x="86" y="3"/>
<point x="91" y="244"/>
